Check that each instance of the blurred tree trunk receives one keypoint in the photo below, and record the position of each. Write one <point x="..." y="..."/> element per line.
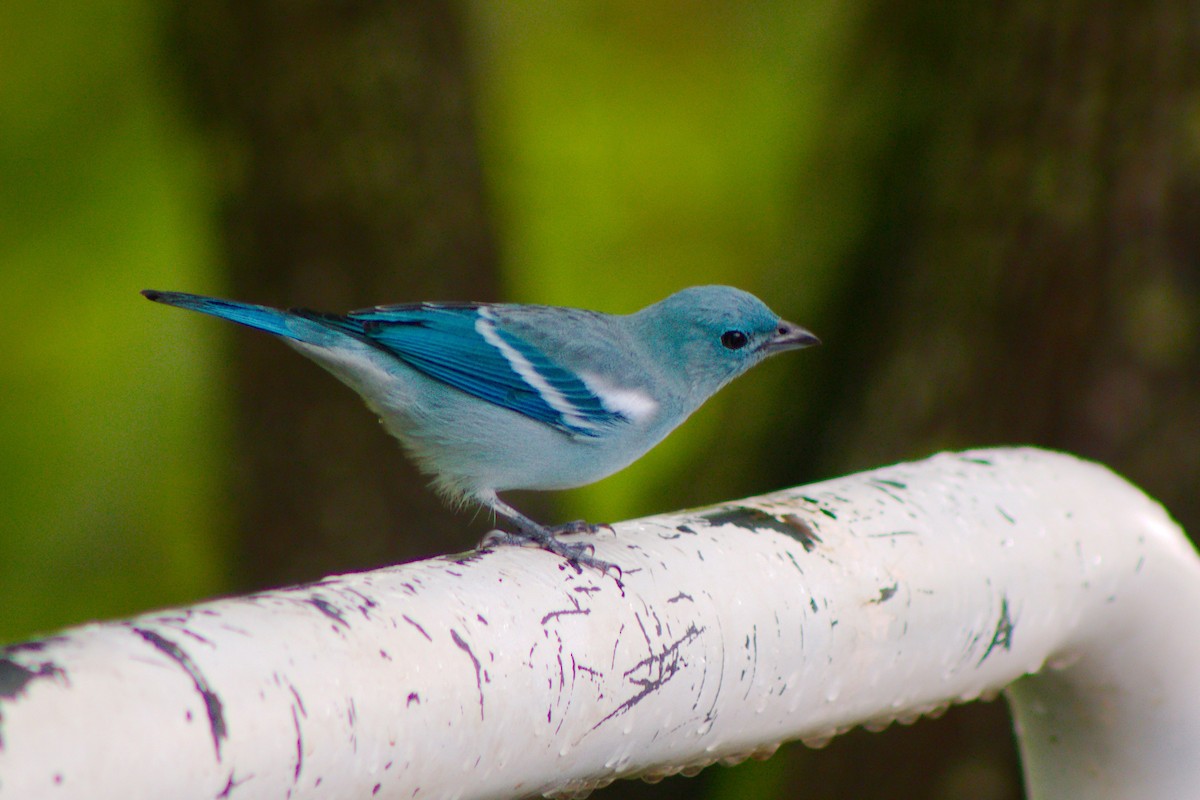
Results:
<point x="1028" y="275"/>
<point x="352" y="180"/>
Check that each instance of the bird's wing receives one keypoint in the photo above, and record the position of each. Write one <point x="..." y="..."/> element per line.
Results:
<point x="468" y="347"/>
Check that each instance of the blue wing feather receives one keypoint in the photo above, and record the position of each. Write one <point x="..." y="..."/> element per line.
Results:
<point x="443" y="342"/>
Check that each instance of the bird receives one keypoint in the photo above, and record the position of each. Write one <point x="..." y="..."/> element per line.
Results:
<point x="491" y="397"/>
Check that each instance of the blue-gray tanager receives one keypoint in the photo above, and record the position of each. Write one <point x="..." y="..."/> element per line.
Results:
<point x="490" y="397"/>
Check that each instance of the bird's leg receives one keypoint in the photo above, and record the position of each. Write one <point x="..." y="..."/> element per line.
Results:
<point x="576" y="553"/>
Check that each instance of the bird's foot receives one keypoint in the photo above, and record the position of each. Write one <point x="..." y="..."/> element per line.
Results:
<point x="578" y="554"/>
<point x="578" y="526"/>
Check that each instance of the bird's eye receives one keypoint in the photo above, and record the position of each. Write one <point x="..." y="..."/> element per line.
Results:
<point x="734" y="340"/>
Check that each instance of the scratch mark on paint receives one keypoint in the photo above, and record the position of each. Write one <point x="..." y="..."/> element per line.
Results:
<point x="212" y="703"/>
<point x="231" y="783"/>
<point x="660" y="666"/>
<point x="751" y="647"/>
<point x="567" y="611"/>
<point x="886" y="486"/>
<point x="1003" y="635"/>
<point x="299" y="746"/>
<point x="413" y="622"/>
<point x="466" y="648"/>
<point x="328" y="609"/>
<point x="299" y="702"/>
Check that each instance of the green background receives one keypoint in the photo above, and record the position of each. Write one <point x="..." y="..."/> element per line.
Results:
<point x="987" y="212"/>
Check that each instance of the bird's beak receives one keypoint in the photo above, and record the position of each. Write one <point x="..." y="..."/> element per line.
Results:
<point x="790" y="336"/>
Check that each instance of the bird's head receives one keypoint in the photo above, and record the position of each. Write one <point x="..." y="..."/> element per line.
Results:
<point x="708" y="335"/>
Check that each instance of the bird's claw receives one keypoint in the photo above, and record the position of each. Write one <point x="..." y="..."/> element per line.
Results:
<point x="577" y="554"/>
<point x="577" y="526"/>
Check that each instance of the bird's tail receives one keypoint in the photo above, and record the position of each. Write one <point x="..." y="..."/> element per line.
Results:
<point x="288" y="324"/>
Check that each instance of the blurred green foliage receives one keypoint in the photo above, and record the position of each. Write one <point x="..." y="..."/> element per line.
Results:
<point x="109" y="440"/>
<point x="963" y="201"/>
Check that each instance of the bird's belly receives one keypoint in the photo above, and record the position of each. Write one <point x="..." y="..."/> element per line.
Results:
<point x="470" y="447"/>
<point x="521" y="453"/>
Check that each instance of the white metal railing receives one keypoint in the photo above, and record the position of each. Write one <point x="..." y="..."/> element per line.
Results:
<point x="879" y="596"/>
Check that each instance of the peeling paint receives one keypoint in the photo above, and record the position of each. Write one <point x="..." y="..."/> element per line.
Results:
<point x="886" y="593"/>
<point x="755" y="519"/>
<point x="745" y="517"/>
<point x="802" y="532"/>
<point x="15" y="677"/>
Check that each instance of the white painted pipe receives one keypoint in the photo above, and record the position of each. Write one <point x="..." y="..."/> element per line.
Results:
<point x="879" y="596"/>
